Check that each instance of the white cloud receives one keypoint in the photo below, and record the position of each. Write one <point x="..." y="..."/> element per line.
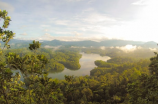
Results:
<point x="46" y="35"/>
<point x="127" y="48"/>
<point x="76" y="33"/>
<point x="139" y="2"/>
<point x="24" y="34"/>
<point x="96" y="17"/>
<point x="143" y="28"/>
<point x="45" y="30"/>
<point x="45" y="25"/>
<point x="6" y="6"/>
<point x="62" y="33"/>
<point x="90" y="1"/>
<point x="103" y="47"/>
<point x="88" y="10"/>
<point x="22" y="27"/>
<point x="73" y="0"/>
<point x="61" y="22"/>
<point x="153" y="49"/>
<point x="54" y="47"/>
<point x="49" y="37"/>
<point x="84" y="23"/>
<point x="92" y="21"/>
<point x="45" y="1"/>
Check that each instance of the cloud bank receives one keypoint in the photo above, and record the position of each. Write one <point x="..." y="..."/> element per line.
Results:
<point x="83" y="19"/>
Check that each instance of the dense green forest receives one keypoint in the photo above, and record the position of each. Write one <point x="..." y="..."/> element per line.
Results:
<point x="57" y="60"/>
<point x="127" y="78"/>
<point x="141" y="53"/>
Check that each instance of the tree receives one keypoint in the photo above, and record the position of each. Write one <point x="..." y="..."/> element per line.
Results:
<point x="153" y="67"/>
<point x="35" y="45"/>
<point x="5" y="35"/>
<point x="10" y="90"/>
<point x="39" y="89"/>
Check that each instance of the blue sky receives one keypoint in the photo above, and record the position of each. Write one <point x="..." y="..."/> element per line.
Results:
<point x="74" y="20"/>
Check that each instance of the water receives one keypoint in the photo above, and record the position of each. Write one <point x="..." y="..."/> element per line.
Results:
<point x="87" y="64"/>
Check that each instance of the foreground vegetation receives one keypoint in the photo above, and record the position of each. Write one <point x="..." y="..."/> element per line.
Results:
<point x="121" y="80"/>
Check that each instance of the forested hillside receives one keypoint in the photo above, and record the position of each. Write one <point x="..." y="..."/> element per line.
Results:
<point x="16" y="43"/>
<point x="120" y="80"/>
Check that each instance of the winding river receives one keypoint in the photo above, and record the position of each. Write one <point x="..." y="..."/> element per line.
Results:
<point x="87" y="64"/>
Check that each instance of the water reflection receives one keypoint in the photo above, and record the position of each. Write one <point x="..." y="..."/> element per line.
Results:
<point x="87" y="64"/>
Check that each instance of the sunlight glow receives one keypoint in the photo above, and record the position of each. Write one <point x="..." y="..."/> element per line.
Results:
<point x="128" y="48"/>
<point x="142" y="28"/>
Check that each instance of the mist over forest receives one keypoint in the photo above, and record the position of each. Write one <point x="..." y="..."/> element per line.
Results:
<point x="61" y="72"/>
<point x="106" y="43"/>
<point x="78" y="52"/>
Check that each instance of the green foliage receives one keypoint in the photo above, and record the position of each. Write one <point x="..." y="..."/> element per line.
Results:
<point x="71" y="65"/>
<point x="35" y="45"/>
<point x="5" y="35"/>
<point x="54" y="66"/>
<point x="154" y="65"/>
<point x="121" y="60"/>
<point x="121" y="80"/>
<point x="141" y="53"/>
<point x="69" y="59"/>
<point x="101" y="63"/>
<point x="145" y="89"/>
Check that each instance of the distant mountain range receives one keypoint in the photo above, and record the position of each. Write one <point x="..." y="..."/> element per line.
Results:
<point x="87" y="43"/>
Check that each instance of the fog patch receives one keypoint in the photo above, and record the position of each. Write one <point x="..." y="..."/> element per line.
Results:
<point x="54" y="47"/>
<point x="48" y="46"/>
<point x="74" y="47"/>
<point x="83" y="47"/>
<point x="153" y="49"/>
<point x="102" y="47"/>
<point x="129" y="48"/>
<point x="77" y="47"/>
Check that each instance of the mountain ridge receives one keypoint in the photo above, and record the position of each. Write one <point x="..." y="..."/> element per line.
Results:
<point x="88" y="43"/>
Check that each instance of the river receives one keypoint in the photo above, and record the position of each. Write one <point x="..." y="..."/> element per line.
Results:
<point x="87" y="64"/>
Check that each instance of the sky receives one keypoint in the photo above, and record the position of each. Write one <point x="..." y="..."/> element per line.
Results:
<point x="76" y="20"/>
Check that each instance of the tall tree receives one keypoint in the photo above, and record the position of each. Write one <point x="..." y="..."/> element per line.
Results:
<point x="5" y="35"/>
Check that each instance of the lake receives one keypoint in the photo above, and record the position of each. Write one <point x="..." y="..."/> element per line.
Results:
<point x="87" y="64"/>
